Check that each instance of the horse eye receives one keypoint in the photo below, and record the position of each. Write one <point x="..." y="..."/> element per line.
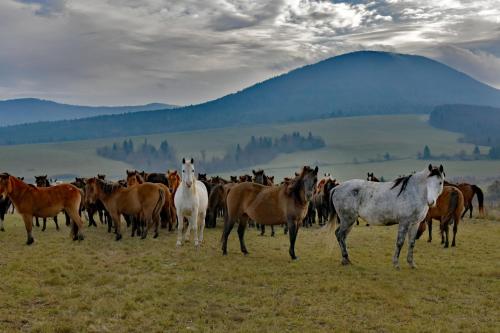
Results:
<point x="183" y="171"/>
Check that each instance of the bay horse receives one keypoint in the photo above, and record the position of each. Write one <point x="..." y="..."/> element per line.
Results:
<point x="43" y="181"/>
<point x="191" y="201"/>
<point x="270" y="205"/>
<point x="31" y="201"/>
<point x="143" y="201"/>
<point x="321" y="198"/>
<point x="217" y="203"/>
<point x="260" y="177"/>
<point x="448" y="208"/>
<point x="404" y="201"/>
<point x="469" y="190"/>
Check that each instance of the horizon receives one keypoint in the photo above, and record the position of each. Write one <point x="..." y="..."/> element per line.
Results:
<point x="103" y="54"/>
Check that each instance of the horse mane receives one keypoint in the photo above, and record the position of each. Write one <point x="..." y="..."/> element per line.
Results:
<point x="294" y="186"/>
<point x="403" y="180"/>
<point x="107" y="187"/>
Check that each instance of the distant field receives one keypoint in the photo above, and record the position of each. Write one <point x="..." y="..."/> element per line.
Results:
<point x="99" y="285"/>
<point x="348" y="139"/>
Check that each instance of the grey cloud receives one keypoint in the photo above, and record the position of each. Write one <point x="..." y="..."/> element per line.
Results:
<point x="46" y="7"/>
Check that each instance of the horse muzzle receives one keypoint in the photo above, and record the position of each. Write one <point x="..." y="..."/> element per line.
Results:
<point x="189" y="184"/>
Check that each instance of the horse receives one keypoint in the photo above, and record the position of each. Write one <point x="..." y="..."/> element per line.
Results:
<point x="167" y="214"/>
<point x="43" y="181"/>
<point x="245" y="178"/>
<point x="448" y="207"/>
<point x="217" y="203"/>
<point x="405" y="200"/>
<point x="260" y="177"/>
<point x="143" y="201"/>
<point x="233" y="179"/>
<point x="4" y="208"/>
<point x="469" y="190"/>
<point x="320" y="199"/>
<point x="155" y="177"/>
<point x="370" y="177"/>
<point x="191" y="201"/>
<point x="270" y="205"/>
<point x="174" y="180"/>
<point x="31" y="201"/>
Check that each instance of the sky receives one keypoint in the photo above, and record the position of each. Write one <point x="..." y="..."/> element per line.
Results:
<point x="118" y="52"/>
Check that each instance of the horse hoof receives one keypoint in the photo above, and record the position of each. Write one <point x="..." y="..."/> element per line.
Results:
<point x="30" y="241"/>
<point x="295" y="258"/>
<point x="178" y="244"/>
<point x="368" y="224"/>
<point x="2" y="229"/>
<point x="446" y="246"/>
<point x="453" y="245"/>
<point x="429" y="240"/>
<point x="155" y="235"/>
<point x="118" y="237"/>
<point x="346" y="261"/>
<point x="224" y="253"/>
<point x="396" y="266"/>
<point x="413" y="266"/>
<point x="81" y="237"/>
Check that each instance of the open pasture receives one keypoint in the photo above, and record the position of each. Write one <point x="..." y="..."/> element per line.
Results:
<point x="347" y="140"/>
<point x="99" y="285"/>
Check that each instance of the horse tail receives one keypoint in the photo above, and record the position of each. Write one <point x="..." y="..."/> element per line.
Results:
<point x="332" y="212"/>
<point x="480" y="199"/>
<point x="160" y="203"/>
<point x="452" y="207"/>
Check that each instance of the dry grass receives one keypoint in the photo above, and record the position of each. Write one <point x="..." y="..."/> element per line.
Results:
<point x="99" y="285"/>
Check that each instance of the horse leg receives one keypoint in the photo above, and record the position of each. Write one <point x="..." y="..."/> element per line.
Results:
<point x="293" y="230"/>
<point x="241" y="234"/>
<point x="55" y="221"/>
<point x="262" y="229"/>
<point x="272" y="230"/>
<point x="466" y="209"/>
<point x="345" y="226"/>
<point x="77" y="230"/>
<point x="102" y="218"/>
<point x="193" y="224"/>
<point x="228" y="226"/>
<point x="201" y="225"/>
<point x="117" y="221"/>
<point x="44" y="224"/>
<point x="1" y="223"/>
<point x="28" y="223"/>
<point x="412" y="237"/>
<point x="471" y="208"/>
<point x="68" y="220"/>
<point x="455" y="229"/>
<point x="429" y="224"/>
<point x="286" y="229"/>
<point x="446" y="231"/>
<point x="38" y="224"/>
<point x="402" y="231"/>
<point x="180" y="230"/>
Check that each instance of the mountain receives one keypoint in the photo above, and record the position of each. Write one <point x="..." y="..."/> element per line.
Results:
<point x="359" y="83"/>
<point x="29" y="110"/>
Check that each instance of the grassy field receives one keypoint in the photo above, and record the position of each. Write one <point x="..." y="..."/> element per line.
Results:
<point x="100" y="285"/>
<point x="348" y="139"/>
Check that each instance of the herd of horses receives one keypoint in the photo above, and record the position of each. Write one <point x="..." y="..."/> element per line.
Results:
<point x="189" y="202"/>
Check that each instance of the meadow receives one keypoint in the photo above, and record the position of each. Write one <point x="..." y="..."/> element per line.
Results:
<point x="99" y="285"/>
<point x="354" y="146"/>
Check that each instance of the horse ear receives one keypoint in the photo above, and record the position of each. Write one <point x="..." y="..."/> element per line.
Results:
<point x="192" y="160"/>
<point x="183" y="160"/>
<point x="175" y="172"/>
<point x="316" y="170"/>
<point x="441" y="169"/>
<point x="430" y="167"/>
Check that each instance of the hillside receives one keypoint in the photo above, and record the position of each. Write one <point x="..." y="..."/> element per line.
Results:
<point x="479" y="124"/>
<point x="29" y="110"/>
<point x="358" y="83"/>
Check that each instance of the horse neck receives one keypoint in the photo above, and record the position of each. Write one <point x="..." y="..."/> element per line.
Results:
<point x="18" y="190"/>
<point x="297" y="190"/>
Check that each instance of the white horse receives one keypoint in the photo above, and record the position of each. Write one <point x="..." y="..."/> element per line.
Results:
<point x="405" y="201"/>
<point x="191" y="201"/>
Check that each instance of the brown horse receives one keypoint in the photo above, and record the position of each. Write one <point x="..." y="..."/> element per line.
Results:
<point x="469" y="190"/>
<point x="143" y="201"/>
<point x="217" y="203"/>
<point x="174" y="180"/>
<point x="260" y="177"/>
<point x="31" y="201"/>
<point x="43" y="181"/>
<point x="271" y="205"/>
<point x="168" y="214"/>
<point x="370" y="177"/>
<point x="448" y="207"/>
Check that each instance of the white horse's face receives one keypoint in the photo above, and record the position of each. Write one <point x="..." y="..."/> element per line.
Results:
<point x="188" y="173"/>
<point x="435" y="182"/>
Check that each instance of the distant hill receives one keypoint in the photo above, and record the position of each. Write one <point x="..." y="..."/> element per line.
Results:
<point x="479" y="124"/>
<point x="29" y="110"/>
<point x="358" y="83"/>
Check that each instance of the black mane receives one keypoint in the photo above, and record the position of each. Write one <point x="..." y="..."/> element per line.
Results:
<point x="107" y="187"/>
<point x="403" y="180"/>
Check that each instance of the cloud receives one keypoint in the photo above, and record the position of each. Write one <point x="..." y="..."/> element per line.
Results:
<point x="183" y="52"/>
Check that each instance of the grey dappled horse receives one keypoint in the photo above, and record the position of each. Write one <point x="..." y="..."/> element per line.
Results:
<point x="404" y="201"/>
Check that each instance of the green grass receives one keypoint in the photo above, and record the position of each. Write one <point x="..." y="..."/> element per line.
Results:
<point x="361" y="138"/>
<point x="99" y="285"/>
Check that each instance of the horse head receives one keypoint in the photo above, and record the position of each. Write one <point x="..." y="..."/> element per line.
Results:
<point x="259" y="176"/>
<point x="434" y="183"/>
<point x="188" y="173"/>
<point x="91" y="190"/>
<point x="5" y="184"/>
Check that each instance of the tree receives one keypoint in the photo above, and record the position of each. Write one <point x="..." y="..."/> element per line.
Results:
<point x="427" y="153"/>
<point x="476" y="151"/>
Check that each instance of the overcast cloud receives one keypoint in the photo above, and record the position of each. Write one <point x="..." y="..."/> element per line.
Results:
<point x="185" y="52"/>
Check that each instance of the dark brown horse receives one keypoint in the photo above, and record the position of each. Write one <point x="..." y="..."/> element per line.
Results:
<point x="4" y="207"/>
<point x="245" y="178"/>
<point x="217" y="203"/>
<point x="31" y="201"/>
<point x="448" y="207"/>
<point x="143" y="201"/>
<point x="43" y="181"/>
<point x="321" y="199"/>
<point x="372" y="178"/>
<point x="271" y="205"/>
<point x="260" y="177"/>
<point x="469" y="190"/>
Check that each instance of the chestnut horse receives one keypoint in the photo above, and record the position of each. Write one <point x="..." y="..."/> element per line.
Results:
<point x="168" y="215"/>
<point x="174" y="180"/>
<point x="143" y="201"/>
<point x="271" y="205"/>
<point x="31" y="201"/>
<point x="469" y="190"/>
<point x="448" y="207"/>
